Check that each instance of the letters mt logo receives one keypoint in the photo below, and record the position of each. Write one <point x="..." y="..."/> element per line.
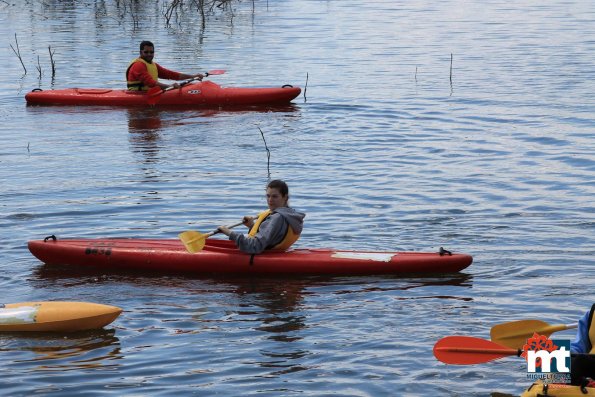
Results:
<point x="547" y="359"/>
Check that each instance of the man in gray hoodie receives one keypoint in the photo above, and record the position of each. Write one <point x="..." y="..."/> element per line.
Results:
<point x="276" y="228"/>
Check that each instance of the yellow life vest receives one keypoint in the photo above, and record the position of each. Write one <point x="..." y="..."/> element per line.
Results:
<point x="135" y="85"/>
<point x="592" y="330"/>
<point x="290" y="237"/>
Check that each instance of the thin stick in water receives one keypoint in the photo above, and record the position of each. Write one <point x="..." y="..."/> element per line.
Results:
<point x="306" y="88"/>
<point x="52" y="60"/>
<point x="17" y="52"/>
<point x="451" y="68"/>
<point x="268" y="153"/>
<point x="38" y="67"/>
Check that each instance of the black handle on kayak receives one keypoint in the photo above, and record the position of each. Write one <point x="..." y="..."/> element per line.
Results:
<point x="444" y="252"/>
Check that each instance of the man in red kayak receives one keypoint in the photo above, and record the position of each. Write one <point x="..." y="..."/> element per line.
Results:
<point x="276" y="228"/>
<point x="143" y="73"/>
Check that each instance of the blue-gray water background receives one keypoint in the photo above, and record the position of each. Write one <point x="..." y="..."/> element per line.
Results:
<point x="385" y="152"/>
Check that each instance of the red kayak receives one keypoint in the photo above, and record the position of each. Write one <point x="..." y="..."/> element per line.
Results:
<point x="221" y="256"/>
<point x="205" y="93"/>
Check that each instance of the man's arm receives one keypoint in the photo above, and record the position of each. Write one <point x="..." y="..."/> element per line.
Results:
<point x="173" y="75"/>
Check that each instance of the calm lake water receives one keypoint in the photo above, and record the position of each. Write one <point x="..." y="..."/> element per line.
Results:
<point x="467" y="125"/>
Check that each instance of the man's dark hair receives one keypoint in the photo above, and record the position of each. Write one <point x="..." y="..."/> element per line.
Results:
<point x="146" y="43"/>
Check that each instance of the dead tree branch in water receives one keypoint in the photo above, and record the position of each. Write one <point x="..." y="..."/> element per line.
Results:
<point x="268" y="153"/>
<point x="201" y="9"/>
<point x="17" y="52"/>
<point x="38" y="67"/>
<point x="451" y="69"/>
<point x="52" y="61"/>
<point x="306" y="88"/>
<point x="171" y="9"/>
<point x="451" y="73"/>
<point x="176" y="9"/>
<point x="135" y="19"/>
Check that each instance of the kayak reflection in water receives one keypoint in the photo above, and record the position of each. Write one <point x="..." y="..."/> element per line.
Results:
<point x="143" y="73"/>
<point x="276" y="228"/>
<point x="582" y="367"/>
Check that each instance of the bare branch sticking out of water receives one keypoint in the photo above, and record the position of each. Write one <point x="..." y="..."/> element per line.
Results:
<point x="306" y="88"/>
<point x="174" y="10"/>
<point x="17" y="52"/>
<point x="416" y="74"/>
<point x="451" y="73"/>
<point x="52" y="61"/>
<point x="133" y="7"/>
<point x="201" y="9"/>
<point x="135" y="19"/>
<point x="268" y="154"/>
<point x="38" y="67"/>
<point x="451" y="69"/>
<point x="170" y="10"/>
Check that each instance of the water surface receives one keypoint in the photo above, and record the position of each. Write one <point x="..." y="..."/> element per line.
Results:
<point x="424" y="124"/>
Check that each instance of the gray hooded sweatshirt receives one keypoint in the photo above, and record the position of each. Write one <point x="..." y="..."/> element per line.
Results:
<point x="271" y="231"/>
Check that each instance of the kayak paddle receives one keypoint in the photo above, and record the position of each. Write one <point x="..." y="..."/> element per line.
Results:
<point x="462" y="350"/>
<point x="515" y="333"/>
<point x="153" y="95"/>
<point x="195" y="241"/>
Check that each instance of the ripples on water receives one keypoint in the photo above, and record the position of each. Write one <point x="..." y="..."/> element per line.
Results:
<point x="384" y="152"/>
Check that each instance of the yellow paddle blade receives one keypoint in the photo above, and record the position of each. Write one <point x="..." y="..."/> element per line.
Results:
<point x="515" y="334"/>
<point x="193" y="241"/>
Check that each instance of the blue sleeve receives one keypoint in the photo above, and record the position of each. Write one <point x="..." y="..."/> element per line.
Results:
<point x="582" y="336"/>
